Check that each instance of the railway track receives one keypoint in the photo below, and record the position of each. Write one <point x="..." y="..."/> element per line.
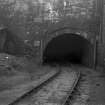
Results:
<point x="81" y="92"/>
<point x="69" y="96"/>
<point x="54" y="91"/>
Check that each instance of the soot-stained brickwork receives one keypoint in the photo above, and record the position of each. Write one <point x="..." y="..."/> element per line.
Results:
<point x="39" y="21"/>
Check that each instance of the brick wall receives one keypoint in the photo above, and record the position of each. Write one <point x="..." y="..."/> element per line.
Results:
<point x="102" y="51"/>
<point x="100" y="54"/>
<point x="101" y="41"/>
<point x="29" y="22"/>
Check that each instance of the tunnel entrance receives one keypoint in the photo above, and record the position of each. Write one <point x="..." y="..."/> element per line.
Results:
<point x="68" y="48"/>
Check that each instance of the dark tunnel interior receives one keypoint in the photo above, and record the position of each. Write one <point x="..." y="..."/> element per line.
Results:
<point x="68" y="49"/>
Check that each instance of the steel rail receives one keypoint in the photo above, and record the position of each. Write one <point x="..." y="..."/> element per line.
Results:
<point x="35" y="89"/>
<point x="73" y="88"/>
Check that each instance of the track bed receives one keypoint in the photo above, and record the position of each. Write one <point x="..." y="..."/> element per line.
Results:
<point x="55" y="92"/>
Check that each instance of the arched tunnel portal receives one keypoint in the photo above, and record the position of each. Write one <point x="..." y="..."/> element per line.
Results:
<point x="68" y="48"/>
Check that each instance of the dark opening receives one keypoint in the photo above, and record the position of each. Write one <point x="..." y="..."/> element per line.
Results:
<point x="68" y="48"/>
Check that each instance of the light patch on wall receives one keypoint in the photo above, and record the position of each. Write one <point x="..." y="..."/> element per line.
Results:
<point x="84" y="34"/>
<point x="78" y="33"/>
<point x="21" y="6"/>
<point x="36" y="43"/>
<point x="10" y="1"/>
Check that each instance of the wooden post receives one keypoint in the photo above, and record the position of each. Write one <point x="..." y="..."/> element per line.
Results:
<point x="95" y="55"/>
<point x="41" y="52"/>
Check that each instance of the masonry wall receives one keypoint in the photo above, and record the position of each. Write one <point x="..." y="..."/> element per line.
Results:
<point x="101" y="40"/>
<point x="100" y="54"/>
<point x="100" y="58"/>
<point x="30" y="19"/>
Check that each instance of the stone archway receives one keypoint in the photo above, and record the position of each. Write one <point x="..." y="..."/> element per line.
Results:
<point x="49" y="35"/>
<point x="83" y="53"/>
